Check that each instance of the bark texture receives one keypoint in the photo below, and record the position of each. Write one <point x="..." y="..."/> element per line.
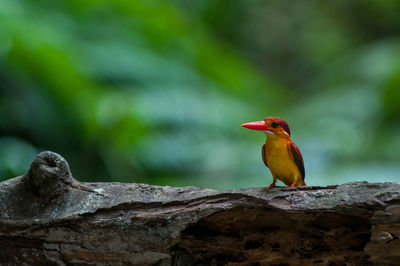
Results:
<point x="49" y="218"/>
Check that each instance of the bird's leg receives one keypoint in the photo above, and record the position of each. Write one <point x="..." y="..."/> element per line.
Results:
<point x="273" y="184"/>
<point x="294" y="183"/>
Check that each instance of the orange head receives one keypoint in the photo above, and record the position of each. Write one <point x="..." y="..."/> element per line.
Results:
<point x="273" y="126"/>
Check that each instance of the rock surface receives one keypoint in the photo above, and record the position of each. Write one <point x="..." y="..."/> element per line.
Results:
<point x="49" y="218"/>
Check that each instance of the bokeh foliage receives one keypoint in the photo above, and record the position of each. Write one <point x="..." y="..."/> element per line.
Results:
<point x="155" y="91"/>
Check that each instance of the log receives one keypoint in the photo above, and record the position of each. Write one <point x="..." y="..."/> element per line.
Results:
<point x="49" y="218"/>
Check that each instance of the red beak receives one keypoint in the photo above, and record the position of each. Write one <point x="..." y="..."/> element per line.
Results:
<point x="259" y="125"/>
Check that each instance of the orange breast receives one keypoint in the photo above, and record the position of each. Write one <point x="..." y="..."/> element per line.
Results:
<point x="280" y="162"/>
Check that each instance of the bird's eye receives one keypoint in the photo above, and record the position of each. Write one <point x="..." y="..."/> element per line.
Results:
<point x="274" y="124"/>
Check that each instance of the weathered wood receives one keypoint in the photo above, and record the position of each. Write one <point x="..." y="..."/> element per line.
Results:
<point x="49" y="218"/>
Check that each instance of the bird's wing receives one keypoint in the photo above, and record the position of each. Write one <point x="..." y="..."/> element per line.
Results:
<point x="264" y="155"/>
<point x="297" y="158"/>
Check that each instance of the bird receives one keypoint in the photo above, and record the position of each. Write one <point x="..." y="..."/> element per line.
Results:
<point x="279" y="153"/>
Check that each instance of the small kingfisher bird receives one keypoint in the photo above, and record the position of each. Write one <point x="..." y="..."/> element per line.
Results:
<point x="279" y="153"/>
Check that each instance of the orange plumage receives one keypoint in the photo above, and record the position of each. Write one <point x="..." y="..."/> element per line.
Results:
<point x="279" y="153"/>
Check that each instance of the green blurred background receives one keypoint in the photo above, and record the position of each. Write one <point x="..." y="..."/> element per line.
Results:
<point x="155" y="91"/>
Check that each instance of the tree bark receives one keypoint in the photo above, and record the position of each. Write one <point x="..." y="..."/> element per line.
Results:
<point x="49" y="218"/>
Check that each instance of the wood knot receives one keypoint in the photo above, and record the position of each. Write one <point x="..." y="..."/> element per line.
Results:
<point x="49" y="174"/>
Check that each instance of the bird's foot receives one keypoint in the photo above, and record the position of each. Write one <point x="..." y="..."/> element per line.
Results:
<point x="293" y="184"/>
<point x="271" y="186"/>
